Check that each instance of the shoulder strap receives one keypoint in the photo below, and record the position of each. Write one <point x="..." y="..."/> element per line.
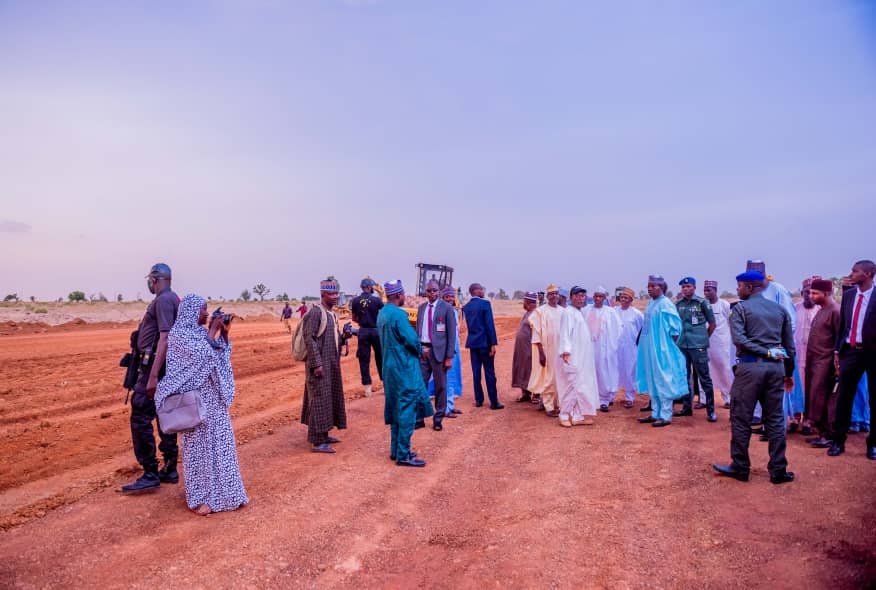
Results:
<point x="323" y="322"/>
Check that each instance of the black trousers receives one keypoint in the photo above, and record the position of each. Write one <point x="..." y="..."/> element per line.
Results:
<point x="765" y="383"/>
<point x="432" y="367"/>
<point x="368" y="339"/>
<point x="480" y="357"/>
<point x="142" y="414"/>
<point x="853" y="363"/>
<point x="698" y="366"/>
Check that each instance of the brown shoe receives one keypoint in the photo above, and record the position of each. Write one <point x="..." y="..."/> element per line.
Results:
<point x="553" y="414"/>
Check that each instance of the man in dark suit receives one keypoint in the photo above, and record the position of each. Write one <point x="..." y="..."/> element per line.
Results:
<point x="481" y="343"/>
<point x="855" y="353"/>
<point x="436" y="328"/>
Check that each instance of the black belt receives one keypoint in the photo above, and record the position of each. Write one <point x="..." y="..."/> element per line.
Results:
<point x="426" y="344"/>
<point x="757" y="359"/>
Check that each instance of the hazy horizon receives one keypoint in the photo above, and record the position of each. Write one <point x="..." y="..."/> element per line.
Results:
<point x="521" y="144"/>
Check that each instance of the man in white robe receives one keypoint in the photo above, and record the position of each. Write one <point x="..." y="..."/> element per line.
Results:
<point x="545" y="322"/>
<point x="576" y="370"/>
<point x="722" y="353"/>
<point x="631" y="322"/>
<point x="806" y="310"/>
<point x="605" y="329"/>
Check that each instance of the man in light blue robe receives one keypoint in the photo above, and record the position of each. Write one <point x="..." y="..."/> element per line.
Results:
<point x="660" y="366"/>
<point x="406" y="399"/>
<point x="861" y="408"/>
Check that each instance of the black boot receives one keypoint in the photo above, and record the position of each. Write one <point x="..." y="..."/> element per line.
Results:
<point x="168" y="473"/>
<point x="147" y="482"/>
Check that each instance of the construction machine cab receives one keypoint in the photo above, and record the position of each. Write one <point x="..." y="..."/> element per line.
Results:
<point x="437" y="272"/>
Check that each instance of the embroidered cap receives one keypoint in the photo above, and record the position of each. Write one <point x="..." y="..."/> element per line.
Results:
<point x="756" y="265"/>
<point x="393" y="287"/>
<point x="712" y="284"/>
<point x="329" y="285"/>
<point x="530" y="296"/>
<point x="808" y="282"/>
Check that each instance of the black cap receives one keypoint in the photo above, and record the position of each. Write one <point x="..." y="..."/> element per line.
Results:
<point x="159" y="271"/>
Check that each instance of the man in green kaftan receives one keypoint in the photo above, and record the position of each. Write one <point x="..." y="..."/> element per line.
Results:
<point x="406" y="399"/>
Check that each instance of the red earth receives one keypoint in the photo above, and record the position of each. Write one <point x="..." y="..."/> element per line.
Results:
<point x="509" y="499"/>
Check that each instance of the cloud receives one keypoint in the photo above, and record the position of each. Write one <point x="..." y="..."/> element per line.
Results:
<point x="9" y="226"/>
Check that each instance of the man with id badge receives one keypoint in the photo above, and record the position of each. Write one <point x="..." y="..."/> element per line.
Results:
<point x="436" y="328"/>
<point x="698" y="323"/>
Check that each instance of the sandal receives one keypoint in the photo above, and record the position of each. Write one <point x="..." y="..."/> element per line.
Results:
<point x="202" y="510"/>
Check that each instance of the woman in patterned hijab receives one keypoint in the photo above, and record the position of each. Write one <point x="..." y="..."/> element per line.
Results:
<point x="209" y="451"/>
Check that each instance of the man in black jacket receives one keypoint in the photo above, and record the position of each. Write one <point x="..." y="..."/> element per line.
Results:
<point x="855" y="353"/>
<point x="764" y="340"/>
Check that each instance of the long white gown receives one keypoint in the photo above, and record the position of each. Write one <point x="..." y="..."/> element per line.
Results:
<point x="631" y="320"/>
<point x="576" y="379"/>
<point x="605" y="329"/>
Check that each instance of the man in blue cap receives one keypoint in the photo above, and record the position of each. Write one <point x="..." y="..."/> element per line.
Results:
<point x="775" y="291"/>
<point x="364" y="309"/>
<point x="764" y="340"/>
<point x="698" y="323"/>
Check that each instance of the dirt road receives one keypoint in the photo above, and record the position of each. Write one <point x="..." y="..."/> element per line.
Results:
<point x="509" y="499"/>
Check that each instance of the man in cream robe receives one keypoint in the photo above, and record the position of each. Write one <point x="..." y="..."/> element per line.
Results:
<point x="545" y="323"/>
<point x="576" y="369"/>
<point x="631" y="320"/>
<point x="722" y="353"/>
<point x="605" y="329"/>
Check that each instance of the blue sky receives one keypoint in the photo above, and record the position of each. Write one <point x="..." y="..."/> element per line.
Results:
<point x="521" y="143"/>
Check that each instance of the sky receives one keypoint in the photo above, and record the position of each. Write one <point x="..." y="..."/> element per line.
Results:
<point x="521" y="143"/>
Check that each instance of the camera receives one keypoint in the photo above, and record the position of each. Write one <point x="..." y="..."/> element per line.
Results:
<point x="226" y="317"/>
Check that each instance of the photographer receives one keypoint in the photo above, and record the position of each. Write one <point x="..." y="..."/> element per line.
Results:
<point x="152" y="344"/>
<point x="200" y="359"/>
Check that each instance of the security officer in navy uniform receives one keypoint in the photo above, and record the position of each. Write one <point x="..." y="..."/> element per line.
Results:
<point x="152" y="344"/>
<point x="364" y="309"/>
<point x="764" y="341"/>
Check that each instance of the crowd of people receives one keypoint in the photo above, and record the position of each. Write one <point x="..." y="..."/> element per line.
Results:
<point x="780" y="367"/>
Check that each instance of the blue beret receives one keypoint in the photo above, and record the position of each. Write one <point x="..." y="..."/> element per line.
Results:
<point x="750" y="276"/>
<point x="687" y="281"/>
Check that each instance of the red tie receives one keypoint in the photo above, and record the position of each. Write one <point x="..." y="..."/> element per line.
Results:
<point x="853" y="339"/>
<point x="430" y="322"/>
